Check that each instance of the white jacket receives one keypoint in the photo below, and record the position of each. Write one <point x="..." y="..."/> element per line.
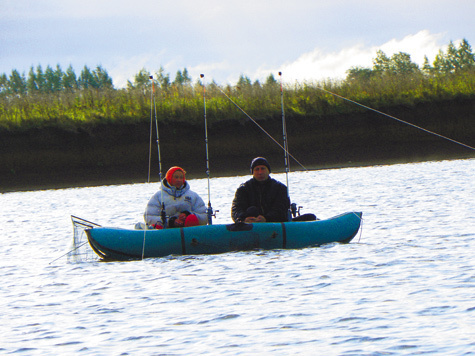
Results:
<point x="176" y="201"/>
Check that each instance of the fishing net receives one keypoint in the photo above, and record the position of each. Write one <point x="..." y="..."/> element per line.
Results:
<point x="80" y="249"/>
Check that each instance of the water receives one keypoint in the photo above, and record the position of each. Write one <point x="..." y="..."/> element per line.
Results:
<point x="405" y="286"/>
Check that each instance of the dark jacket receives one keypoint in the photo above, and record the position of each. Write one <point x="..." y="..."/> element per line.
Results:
<point x="269" y="197"/>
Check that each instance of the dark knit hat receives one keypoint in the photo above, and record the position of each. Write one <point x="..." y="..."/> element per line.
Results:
<point x="259" y="161"/>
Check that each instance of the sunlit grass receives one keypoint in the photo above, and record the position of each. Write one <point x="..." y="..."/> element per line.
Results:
<point x="71" y="110"/>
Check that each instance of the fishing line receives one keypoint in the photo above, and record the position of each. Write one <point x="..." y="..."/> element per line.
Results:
<point x="152" y="102"/>
<point x="397" y="119"/>
<point x="361" y="230"/>
<point x="254" y="121"/>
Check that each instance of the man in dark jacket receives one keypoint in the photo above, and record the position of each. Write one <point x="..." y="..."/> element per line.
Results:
<point x="262" y="198"/>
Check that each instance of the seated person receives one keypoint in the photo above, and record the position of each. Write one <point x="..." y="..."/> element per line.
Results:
<point x="183" y="206"/>
<point x="261" y="198"/>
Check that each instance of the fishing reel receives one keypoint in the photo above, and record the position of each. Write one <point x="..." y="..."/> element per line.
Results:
<point x="295" y="210"/>
<point x="211" y="214"/>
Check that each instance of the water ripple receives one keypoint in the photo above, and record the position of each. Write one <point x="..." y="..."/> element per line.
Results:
<point x="405" y="288"/>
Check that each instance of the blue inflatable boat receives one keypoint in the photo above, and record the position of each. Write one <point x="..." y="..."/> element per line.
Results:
<point x="128" y="244"/>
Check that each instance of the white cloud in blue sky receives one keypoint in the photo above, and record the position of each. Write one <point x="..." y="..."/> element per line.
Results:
<point x="305" y="39"/>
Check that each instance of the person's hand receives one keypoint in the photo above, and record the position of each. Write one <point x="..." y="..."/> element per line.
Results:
<point x="180" y="220"/>
<point x="261" y="218"/>
<point x="252" y="219"/>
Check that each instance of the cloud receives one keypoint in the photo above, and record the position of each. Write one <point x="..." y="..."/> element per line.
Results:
<point x="318" y="65"/>
<point x="311" y="66"/>
<point x="419" y="45"/>
<point x="308" y="67"/>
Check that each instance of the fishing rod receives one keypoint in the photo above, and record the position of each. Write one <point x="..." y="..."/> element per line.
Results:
<point x="151" y="131"/>
<point x="153" y="113"/>
<point x="284" y="131"/>
<point x="209" y="210"/>
<point x="254" y="121"/>
<point x="293" y="206"/>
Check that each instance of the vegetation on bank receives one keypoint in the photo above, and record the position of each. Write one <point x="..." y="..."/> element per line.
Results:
<point x="55" y="98"/>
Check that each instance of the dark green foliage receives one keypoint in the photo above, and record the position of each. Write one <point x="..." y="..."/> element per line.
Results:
<point x="62" y="99"/>
<point x="182" y="78"/>
<point x="16" y="84"/>
<point x="70" y="82"/>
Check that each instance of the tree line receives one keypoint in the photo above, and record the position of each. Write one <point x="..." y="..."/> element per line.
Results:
<point x="53" y="80"/>
<point x="454" y="60"/>
<point x="62" y="98"/>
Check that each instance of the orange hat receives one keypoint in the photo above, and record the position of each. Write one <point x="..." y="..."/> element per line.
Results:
<point x="172" y="170"/>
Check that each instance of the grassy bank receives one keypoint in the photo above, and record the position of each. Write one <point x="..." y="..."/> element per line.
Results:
<point x="57" y="130"/>
<point x="86" y="108"/>
<point x="118" y="153"/>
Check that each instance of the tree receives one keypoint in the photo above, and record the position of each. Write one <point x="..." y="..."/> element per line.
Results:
<point x="3" y="84"/>
<point x="102" y="79"/>
<point x="163" y="79"/>
<point x="451" y="57"/>
<point x="401" y="63"/>
<point x="465" y="55"/>
<point x="426" y="67"/>
<point x="270" y="81"/>
<point x="40" y="79"/>
<point x="455" y="59"/>
<point x="17" y="83"/>
<point x="53" y="79"/>
<point x="441" y="64"/>
<point x="358" y="74"/>
<point x="141" y="80"/>
<point x="182" y="78"/>
<point x="244" y="81"/>
<point x="86" y="79"/>
<point x="58" y="78"/>
<point x="381" y="63"/>
<point x="186" y="77"/>
<point x="31" y="83"/>
<point x="70" y="82"/>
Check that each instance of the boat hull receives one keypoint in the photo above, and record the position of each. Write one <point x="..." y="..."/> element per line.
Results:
<point x="124" y="244"/>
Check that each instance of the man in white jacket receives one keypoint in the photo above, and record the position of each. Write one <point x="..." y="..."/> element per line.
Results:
<point x="183" y="207"/>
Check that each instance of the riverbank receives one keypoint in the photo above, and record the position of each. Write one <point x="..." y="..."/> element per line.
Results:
<point x="119" y="153"/>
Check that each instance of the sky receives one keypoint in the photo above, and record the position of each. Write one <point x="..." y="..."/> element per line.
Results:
<point x="306" y="40"/>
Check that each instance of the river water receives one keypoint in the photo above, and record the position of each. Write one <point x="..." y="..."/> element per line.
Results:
<point x="404" y="286"/>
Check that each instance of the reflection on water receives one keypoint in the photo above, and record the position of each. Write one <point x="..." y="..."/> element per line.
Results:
<point x="406" y="288"/>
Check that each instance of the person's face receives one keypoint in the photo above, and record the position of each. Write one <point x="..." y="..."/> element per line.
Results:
<point x="177" y="179"/>
<point x="260" y="173"/>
